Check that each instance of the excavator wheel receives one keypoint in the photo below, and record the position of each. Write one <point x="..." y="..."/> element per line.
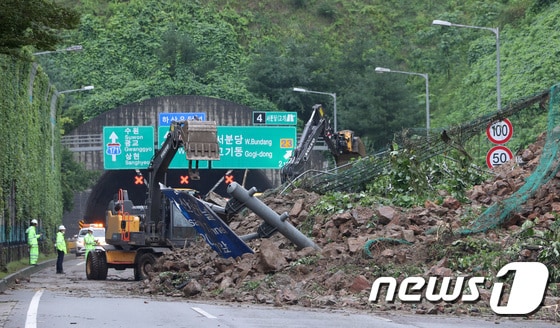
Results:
<point x="144" y="265"/>
<point x="96" y="265"/>
<point x="91" y="274"/>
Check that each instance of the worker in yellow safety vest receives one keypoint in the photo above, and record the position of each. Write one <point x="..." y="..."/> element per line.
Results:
<point x="89" y="241"/>
<point x="32" y="241"/>
<point x="60" y="249"/>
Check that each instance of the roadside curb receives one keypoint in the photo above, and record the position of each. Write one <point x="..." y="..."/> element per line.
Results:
<point x="24" y="273"/>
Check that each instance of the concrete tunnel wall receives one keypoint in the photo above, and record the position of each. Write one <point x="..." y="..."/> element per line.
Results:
<point x="111" y="181"/>
<point x="87" y="146"/>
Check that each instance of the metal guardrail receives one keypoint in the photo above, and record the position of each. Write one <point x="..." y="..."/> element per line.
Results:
<point x="13" y="252"/>
<point x="85" y="142"/>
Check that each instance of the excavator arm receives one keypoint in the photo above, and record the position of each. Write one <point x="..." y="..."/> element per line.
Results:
<point x="316" y="127"/>
<point x="343" y="145"/>
<point x="200" y="142"/>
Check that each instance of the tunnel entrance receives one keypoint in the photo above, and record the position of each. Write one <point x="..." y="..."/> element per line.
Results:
<point x="111" y="181"/>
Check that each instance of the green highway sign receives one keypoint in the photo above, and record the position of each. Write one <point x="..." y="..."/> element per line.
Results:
<point x="255" y="147"/>
<point x="180" y="160"/>
<point x="127" y="147"/>
<point x="241" y="147"/>
<point x="275" y="118"/>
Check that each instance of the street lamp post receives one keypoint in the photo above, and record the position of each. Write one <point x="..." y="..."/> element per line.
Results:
<point x="322" y="93"/>
<point x="86" y="88"/>
<point x="425" y="76"/>
<point x="54" y="99"/>
<point x="71" y="48"/>
<point x="497" y="33"/>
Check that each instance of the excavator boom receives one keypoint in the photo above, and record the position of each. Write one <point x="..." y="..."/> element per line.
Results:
<point x="343" y="145"/>
<point x="200" y="142"/>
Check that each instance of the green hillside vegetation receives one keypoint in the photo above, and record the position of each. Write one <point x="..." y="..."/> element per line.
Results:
<point x="254" y="52"/>
<point x="33" y="181"/>
<point x="29" y="154"/>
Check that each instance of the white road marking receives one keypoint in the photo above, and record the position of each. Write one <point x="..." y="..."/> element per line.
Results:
<point x="31" y="320"/>
<point x="80" y="263"/>
<point x="204" y="313"/>
<point x="381" y="318"/>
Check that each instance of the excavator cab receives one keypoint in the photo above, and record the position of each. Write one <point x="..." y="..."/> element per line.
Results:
<point x="345" y="141"/>
<point x="343" y="145"/>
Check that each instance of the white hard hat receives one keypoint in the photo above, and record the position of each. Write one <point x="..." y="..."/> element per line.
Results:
<point x="61" y="227"/>
<point x="34" y="221"/>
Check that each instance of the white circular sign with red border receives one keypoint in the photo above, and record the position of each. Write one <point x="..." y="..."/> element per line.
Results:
<point x="499" y="132"/>
<point x="498" y="155"/>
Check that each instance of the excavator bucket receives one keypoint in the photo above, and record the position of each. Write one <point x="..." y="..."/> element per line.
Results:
<point x="200" y="141"/>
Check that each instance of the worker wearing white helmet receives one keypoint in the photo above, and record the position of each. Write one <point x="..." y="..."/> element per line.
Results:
<point x="32" y="241"/>
<point x="60" y="249"/>
<point x="89" y="242"/>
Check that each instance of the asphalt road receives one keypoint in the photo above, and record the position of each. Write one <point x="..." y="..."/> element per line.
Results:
<point x="37" y="297"/>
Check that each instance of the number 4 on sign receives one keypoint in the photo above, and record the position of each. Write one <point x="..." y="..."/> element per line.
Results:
<point x="259" y="117"/>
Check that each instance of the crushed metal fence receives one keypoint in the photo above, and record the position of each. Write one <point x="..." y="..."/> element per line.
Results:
<point x="355" y="176"/>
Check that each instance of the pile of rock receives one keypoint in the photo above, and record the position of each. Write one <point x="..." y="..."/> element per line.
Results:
<point x="342" y="272"/>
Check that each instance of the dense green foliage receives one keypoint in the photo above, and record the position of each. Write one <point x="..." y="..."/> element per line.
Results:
<point x="33" y="23"/>
<point x="29" y="155"/>
<point x="254" y="53"/>
<point x="143" y="49"/>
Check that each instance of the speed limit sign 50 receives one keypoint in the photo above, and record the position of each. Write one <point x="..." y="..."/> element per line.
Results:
<point x="499" y="132"/>
<point x="498" y="155"/>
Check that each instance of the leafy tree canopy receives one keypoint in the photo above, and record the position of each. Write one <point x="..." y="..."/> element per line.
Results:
<point x="255" y="52"/>
<point x="75" y="178"/>
<point x="34" y="23"/>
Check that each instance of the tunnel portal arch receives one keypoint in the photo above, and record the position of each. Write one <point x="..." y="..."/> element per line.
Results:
<point x="111" y="181"/>
<point x="87" y="146"/>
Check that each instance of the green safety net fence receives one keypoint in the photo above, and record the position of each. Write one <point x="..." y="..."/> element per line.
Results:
<point x="548" y="166"/>
<point x="354" y="176"/>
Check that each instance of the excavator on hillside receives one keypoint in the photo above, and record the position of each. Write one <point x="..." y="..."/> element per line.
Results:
<point x="343" y="145"/>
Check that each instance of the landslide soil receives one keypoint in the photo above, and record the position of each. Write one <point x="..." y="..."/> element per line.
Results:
<point x="358" y="245"/>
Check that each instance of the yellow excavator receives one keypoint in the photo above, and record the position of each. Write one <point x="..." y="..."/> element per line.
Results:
<point x="137" y="235"/>
<point x="343" y="145"/>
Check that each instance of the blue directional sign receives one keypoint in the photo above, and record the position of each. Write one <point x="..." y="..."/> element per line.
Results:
<point x="166" y="118"/>
<point x="127" y="147"/>
<point x="215" y="232"/>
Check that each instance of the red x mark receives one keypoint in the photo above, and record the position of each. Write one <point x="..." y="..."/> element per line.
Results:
<point x="138" y="179"/>
<point x="229" y="179"/>
<point x="184" y="179"/>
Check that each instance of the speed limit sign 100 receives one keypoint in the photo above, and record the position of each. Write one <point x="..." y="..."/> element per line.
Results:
<point x="498" y="155"/>
<point x="499" y="132"/>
